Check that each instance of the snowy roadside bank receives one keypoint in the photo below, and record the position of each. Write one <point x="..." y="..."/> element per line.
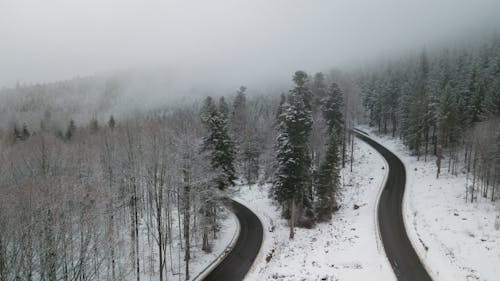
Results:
<point x="454" y="239"/>
<point x="343" y="249"/>
<point x="201" y="263"/>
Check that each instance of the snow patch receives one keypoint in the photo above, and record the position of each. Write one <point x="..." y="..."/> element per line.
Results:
<point x="454" y="239"/>
<point x="343" y="249"/>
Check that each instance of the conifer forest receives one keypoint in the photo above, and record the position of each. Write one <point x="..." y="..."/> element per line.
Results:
<point x="114" y="174"/>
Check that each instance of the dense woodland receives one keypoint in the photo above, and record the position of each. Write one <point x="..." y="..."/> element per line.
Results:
<point x="87" y="196"/>
<point x="445" y="105"/>
<point x="139" y="195"/>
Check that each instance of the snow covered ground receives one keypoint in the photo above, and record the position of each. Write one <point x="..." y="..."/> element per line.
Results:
<point x="344" y="249"/>
<point x="455" y="240"/>
<point x="199" y="259"/>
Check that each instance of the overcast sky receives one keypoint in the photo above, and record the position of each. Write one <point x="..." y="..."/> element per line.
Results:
<point x="222" y="41"/>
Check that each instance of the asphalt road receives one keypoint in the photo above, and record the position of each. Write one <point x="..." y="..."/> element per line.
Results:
<point x="398" y="248"/>
<point x="237" y="263"/>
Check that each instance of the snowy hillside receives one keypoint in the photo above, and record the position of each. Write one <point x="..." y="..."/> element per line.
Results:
<point x="347" y="248"/>
<point x="455" y="240"/>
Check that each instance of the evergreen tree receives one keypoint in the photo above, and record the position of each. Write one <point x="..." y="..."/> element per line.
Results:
<point x="332" y="107"/>
<point x="328" y="181"/>
<point x="16" y="134"/>
<point x="281" y="108"/>
<point x="218" y="144"/>
<point x="224" y="109"/>
<point x="318" y="88"/>
<point x="239" y="116"/>
<point x="111" y="122"/>
<point x="292" y="185"/>
<point x="70" y="131"/>
<point x="301" y="89"/>
<point x="23" y="134"/>
<point x="245" y="135"/>
<point x="448" y="125"/>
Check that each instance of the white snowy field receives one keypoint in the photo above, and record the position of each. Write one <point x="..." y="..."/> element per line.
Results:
<point x="346" y="248"/>
<point x="454" y="239"/>
<point x="175" y="255"/>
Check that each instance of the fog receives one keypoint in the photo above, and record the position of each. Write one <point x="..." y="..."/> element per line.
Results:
<point x="222" y="44"/>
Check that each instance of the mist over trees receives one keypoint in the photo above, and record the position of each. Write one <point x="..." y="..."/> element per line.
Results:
<point x="445" y="105"/>
<point x="117" y="199"/>
<point x="89" y="193"/>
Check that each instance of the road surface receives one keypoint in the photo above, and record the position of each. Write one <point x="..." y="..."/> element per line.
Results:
<point x="237" y="263"/>
<point x="398" y="248"/>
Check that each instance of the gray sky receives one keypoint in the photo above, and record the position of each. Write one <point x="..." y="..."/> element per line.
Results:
<point x="222" y="42"/>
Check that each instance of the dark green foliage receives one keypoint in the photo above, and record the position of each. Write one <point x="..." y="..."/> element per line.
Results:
<point x="224" y="108"/>
<point x="328" y="181"/>
<point x="292" y="179"/>
<point x="111" y="122"/>
<point x="332" y="107"/>
<point x="70" y="131"/>
<point x="445" y="104"/>
<point x="318" y="87"/>
<point x="218" y="144"/>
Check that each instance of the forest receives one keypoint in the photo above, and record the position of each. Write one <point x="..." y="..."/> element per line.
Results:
<point x="109" y="200"/>
<point x="445" y="105"/>
<point x="85" y="195"/>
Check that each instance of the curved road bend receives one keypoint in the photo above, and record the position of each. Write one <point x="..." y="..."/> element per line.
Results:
<point x="238" y="262"/>
<point x="398" y="248"/>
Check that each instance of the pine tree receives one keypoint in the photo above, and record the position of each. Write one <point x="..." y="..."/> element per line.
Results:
<point x="279" y="112"/>
<point x="224" y="108"/>
<point x="17" y="134"/>
<point x="292" y="185"/>
<point x="448" y="125"/>
<point x="328" y="181"/>
<point x="218" y="144"/>
<point x="70" y="131"/>
<point x="21" y="135"/>
<point x="318" y="87"/>
<point x="111" y="122"/>
<point x="332" y="108"/>
<point x="245" y="135"/>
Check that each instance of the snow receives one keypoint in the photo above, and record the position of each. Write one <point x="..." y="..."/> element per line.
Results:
<point x="199" y="259"/>
<point x="454" y="239"/>
<point x="346" y="248"/>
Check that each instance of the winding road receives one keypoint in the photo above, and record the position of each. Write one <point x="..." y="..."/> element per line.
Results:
<point x="237" y="263"/>
<point x="398" y="248"/>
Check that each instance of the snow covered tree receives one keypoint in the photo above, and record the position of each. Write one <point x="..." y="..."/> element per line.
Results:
<point x="318" y="87"/>
<point x="292" y="185"/>
<point x="218" y="144"/>
<point x="224" y="108"/>
<point x="328" y="181"/>
<point x="332" y="108"/>
<point x="245" y="135"/>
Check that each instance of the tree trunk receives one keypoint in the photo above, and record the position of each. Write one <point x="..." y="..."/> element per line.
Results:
<point x="3" y="276"/>
<point x="439" y="156"/>
<point x="186" y="213"/>
<point x="352" y="151"/>
<point x="206" y="246"/>
<point x="474" y="177"/>
<point x="344" y="148"/>
<point x="292" y="219"/>
<point x="426" y="145"/>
